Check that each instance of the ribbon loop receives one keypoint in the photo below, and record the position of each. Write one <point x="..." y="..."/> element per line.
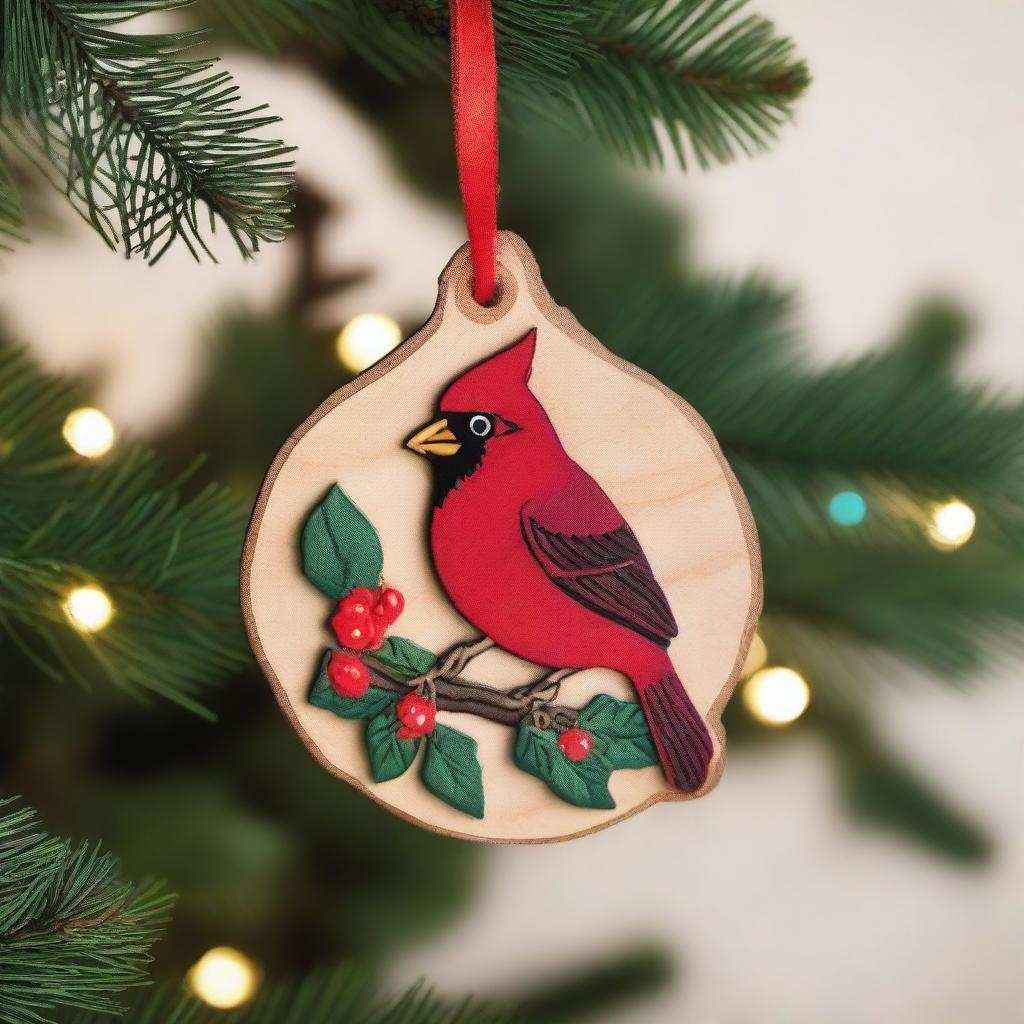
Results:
<point x="475" y="108"/>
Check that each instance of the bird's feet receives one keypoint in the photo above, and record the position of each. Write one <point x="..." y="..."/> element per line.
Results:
<point x="452" y="663"/>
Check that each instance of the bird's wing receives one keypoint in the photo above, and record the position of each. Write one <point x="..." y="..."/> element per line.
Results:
<point x="603" y="568"/>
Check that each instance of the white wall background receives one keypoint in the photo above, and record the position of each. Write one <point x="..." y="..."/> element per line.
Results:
<point x="902" y="176"/>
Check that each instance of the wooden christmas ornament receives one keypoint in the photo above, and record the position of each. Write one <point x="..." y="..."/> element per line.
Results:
<point x="504" y="582"/>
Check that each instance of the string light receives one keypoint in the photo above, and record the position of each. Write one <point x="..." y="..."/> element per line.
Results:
<point x="847" y="508"/>
<point x="951" y="525"/>
<point x="88" y="609"/>
<point x="89" y="432"/>
<point x="365" y="339"/>
<point x="223" y="977"/>
<point x="757" y="656"/>
<point x="777" y="695"/>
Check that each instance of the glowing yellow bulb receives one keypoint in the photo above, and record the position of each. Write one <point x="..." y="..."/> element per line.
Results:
<point x="223" y="977"/>
<point x="89" y="432"/>
<point x="951" y="525"/>
<point x="88" y="609"/>
<point x="757" y="655"/>
<point x="365" y="339"/>
<point x="776" y="696"/>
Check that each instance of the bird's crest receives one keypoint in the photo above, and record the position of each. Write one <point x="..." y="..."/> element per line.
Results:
<point x="491" y="384"/>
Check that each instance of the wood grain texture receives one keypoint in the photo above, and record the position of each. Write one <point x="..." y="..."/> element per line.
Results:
<point x="650" y="451"/>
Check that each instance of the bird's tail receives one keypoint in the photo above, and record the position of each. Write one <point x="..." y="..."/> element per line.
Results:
<point x="682" y="739"/>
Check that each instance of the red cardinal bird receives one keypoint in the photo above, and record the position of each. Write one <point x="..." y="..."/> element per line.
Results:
<point x="535" y="555"/>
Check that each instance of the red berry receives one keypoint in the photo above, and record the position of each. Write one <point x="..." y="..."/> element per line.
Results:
<point x="576" y="744"/>
<point x="353" y="623"/>
<point x="358" y="603"/>
<point x="348" y="675"/>
<point x="356" y="634"/>
<point x="389" y="604"/>
<point x="417" y="716"/>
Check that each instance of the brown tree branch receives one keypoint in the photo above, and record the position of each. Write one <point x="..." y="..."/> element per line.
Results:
<point x="506" y="707"/>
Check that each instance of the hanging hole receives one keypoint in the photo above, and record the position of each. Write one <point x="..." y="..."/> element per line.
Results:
<point x="495" y="298"/>
<point x="505" y="291"/>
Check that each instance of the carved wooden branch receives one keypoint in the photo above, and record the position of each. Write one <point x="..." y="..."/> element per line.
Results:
<point x="507" y="707"/>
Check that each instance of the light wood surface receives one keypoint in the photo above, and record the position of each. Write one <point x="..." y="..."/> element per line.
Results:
<point x="648" y="449"/>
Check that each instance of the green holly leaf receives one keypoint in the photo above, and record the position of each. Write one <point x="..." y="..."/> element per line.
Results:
<point x="371" y="704"/>
<point x="451" y="770"/>
<point x="583" y="783"/>
<point x="389" y="756"/>
<point x="620" y="732"/>
<point x="404" y="658"/>
<point x="340" y="547"/>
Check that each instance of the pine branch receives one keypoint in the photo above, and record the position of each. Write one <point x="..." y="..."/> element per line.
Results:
<point x="325" y="997"/>
<point x="135" y="134"/>
<point x="169" y="565"/>
<point x="720" y="82"/>
<point x="72" y="933"/>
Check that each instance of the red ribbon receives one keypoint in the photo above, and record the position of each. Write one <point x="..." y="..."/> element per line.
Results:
<point x="475" y="105"/>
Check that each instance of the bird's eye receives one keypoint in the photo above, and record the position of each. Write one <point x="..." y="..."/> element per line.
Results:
<point x="480" y="425"/>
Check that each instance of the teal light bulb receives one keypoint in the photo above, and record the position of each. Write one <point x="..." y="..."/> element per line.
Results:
<point x="847" y="508"/>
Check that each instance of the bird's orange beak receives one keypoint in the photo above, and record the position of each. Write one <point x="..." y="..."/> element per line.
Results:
<point x="434" y="439"/>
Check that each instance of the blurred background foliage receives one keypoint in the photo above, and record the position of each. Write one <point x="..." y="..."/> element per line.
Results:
<point x="271" y="854"/>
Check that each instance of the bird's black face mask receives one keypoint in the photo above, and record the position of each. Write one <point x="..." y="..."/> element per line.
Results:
<point x="455" y="445"/>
